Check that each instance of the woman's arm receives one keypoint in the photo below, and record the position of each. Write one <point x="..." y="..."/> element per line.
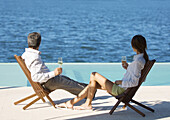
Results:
<point x="125" y="65"/>
<point x="118" y="82"/>
<point x="132" y="75"/>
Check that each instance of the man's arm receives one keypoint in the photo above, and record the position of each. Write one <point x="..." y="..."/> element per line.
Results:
<point x="38" y="75"/>
<point x="58" y="71"/>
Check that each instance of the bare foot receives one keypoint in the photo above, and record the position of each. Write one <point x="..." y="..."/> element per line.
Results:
<point x="65" y="105"/>
<point x="83" y="107"/>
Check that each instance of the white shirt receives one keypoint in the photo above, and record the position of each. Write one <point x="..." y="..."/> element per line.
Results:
<point x="39" y="71"/>
<point x="133" y="73"/>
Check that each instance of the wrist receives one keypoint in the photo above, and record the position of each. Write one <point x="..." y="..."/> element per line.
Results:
<point x="116" y="82"/>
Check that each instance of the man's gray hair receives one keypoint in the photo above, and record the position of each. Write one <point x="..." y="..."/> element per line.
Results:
<point x="34" y="40"/>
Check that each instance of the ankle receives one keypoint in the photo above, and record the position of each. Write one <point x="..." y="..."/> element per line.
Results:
<point x="87" y="104"/>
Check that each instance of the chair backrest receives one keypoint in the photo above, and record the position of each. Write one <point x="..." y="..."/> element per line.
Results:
<point x="35" y="85"/>
<point x="130" y="92"/>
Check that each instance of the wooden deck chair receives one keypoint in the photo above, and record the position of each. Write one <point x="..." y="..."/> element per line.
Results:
<point x="39" y="90"/>
<point x="127" y="96"/>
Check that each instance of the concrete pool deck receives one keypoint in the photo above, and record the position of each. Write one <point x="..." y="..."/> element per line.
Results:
<point x="156" y="97"/>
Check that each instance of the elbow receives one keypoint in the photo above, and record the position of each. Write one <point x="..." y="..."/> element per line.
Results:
<point x="130" y="83"/>
<point x="35" y="78"/>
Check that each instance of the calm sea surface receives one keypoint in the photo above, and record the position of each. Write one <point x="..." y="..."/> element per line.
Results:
<point x="85" y="30"/>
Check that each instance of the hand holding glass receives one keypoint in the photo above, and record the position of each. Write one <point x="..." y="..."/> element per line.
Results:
<point x="123" y="60"/>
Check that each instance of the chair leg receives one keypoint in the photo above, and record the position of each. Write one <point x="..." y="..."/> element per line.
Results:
<point x="124" y="106"/>
<point x="17" y="102"/>
<point x="51" y="101"/>
<point x="31" y="103"/>
<point x="136" y="110"/>
<point x="43" y="100"/>
<point x="148" y="108"/>
<point x="115" y="106"/>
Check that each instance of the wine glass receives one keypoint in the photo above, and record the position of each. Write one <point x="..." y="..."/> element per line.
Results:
<point x="123" y="60"/>
<point x="60" y="62"/>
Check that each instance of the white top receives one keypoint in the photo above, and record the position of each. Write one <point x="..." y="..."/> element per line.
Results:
<point x="39" y="71"/>
<point x="133" y="73"/>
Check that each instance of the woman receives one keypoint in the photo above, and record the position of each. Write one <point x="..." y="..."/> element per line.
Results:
<point x="130" y="79"/>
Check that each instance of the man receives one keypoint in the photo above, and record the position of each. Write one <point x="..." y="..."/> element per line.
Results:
<point x="40" y="72"/>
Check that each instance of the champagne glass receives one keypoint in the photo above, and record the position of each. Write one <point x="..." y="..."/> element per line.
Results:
<point x="123" y="60"/>
<point x="60" y="62"/>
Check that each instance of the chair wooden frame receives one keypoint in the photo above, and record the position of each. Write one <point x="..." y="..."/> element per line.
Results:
<point x="127" y="96"/>
<point x="38" y="89"/>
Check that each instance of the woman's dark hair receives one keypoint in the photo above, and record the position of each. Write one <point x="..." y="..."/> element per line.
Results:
<point x="34" y="40"/>
<point x="139" y="42"/>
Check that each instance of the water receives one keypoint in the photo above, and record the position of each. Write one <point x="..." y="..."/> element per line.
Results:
<point x="85" y="30"/>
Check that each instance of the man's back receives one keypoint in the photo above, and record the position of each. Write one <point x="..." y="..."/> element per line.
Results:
<point x="39" y="71"/>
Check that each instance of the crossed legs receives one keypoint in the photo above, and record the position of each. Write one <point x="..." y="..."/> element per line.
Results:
<point x="97" y="81"/>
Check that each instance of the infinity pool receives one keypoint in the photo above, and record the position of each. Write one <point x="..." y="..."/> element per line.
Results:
<point x="12" y="75"/>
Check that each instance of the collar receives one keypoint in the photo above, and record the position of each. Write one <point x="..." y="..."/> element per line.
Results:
<point x="138" y="56"/>
<point x="32" y="50"/>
